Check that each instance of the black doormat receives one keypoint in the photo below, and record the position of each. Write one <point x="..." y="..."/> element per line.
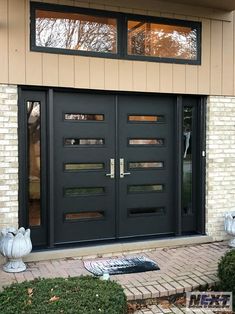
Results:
<point x="116" y="266"/>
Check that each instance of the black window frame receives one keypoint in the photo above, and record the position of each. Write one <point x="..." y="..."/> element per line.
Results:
<point x="122" y="33"/>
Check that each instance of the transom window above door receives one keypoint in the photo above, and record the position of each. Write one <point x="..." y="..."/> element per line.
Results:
<point x="73" y="30"/>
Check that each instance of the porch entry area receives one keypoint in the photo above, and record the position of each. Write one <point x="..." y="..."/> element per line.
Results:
<point x="104" y="166"/>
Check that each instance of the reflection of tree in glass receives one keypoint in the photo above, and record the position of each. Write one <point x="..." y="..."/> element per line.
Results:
<point x="187" y="118"/>
<point x="76" y="34"/>
<point x="162" y="41"/>
<point x="33" y="119"/>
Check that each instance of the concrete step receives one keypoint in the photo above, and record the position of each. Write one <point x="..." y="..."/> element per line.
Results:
<point x="94" y="251"/>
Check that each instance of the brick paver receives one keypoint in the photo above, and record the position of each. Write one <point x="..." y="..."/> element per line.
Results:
<point x="181" y="269"/>
<point x="154" y="309"/>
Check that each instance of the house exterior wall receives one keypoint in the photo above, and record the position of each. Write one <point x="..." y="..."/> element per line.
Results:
<point x="215" y="76"/>
<point x="8" y="156"/>
<point x="220" y="163"/>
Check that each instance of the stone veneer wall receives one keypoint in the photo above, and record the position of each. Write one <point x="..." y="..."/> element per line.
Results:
<point x="8" y="156"/>
<point x="220" y="163"/>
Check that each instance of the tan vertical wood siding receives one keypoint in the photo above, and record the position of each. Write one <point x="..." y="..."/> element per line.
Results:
<point x="215" y="76"/>
<point x="4" y="47"/>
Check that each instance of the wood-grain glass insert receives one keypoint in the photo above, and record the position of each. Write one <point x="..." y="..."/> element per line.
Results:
<point x="84" y="215"/>
<point x="83" y="117"/>
<point x="142" y="118"/>
<point x="83" y="166"/>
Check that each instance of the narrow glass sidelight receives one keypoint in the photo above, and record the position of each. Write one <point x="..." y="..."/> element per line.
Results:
<point x="187" y="191"/>
<point x="34" y="162"/>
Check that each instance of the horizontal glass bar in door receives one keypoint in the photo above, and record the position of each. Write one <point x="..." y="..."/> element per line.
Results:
<point x="83" y="141"/>
<point x="75" y="31"/>
<point x="83" y="166"/>
<point x="162" y="40"/>
<point x="146" y="118"/>
<point x="84" y="215"/>
<point x="146" y="211"/>
<point x="81" y="191"/>
<point x="83" y="117"/>
<point x="145" y="188"/>
<point x="146" y="141"/>
<point x="146" y="165"/>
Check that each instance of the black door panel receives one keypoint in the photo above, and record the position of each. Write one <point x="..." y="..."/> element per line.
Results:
<point x="147" y="196"/>
<point x="84" y="197"/>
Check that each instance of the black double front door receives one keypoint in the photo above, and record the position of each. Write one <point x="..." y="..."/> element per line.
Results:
<point x="114" y="166"/>
<point x="98" y="166"/>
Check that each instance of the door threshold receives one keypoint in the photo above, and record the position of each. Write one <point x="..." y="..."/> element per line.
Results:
<point x="94" y="251"/>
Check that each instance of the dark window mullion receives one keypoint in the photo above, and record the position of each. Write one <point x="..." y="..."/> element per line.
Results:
<point x="201" y="120"/>
<point x="122" y="36"/>
<point x="23" y="161"/>
<point x="179" y="164"/>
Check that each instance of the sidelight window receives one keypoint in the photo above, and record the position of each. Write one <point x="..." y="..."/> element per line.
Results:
<point x="73" y="30"/>
<point x="34" y="164"/>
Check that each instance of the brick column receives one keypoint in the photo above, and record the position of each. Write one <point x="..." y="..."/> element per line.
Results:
<point x="220" y="160"/>
<point x="8" y="156"/>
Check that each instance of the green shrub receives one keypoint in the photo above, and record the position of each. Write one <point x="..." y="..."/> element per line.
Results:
<point x="77" y="295"/>
<point x="226" y="273"/>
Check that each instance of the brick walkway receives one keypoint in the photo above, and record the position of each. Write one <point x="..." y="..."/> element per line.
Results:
<point x="181" y="269"/>
<point x="155" y="309"/>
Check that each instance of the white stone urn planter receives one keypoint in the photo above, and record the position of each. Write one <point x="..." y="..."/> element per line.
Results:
<point x="14" y="244"/>
<point x="229" y="226"/>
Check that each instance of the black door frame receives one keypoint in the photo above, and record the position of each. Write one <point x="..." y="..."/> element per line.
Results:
<point x="39" y="233"/>
<point x="47" y="240"/>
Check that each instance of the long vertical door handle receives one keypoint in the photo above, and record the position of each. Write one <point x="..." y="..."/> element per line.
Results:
<point x="112" y="169"/>
<point x="122" y="171"/>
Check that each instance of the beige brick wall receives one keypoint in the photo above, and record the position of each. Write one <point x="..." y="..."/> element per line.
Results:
<point x="220" y="161"/>
<point x="8" y="156"/>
